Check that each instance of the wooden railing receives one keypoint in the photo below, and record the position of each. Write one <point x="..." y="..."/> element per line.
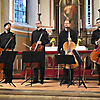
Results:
<point x="19" y="66"/>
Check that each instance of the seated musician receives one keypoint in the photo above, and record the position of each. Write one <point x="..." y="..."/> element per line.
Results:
<point x="4" y="38"/>
<point x="94" y="40"/>
<point x="63" y="37"/>
<point x="43" y="41"/>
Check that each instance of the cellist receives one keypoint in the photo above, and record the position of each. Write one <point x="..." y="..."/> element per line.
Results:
<point x="94" y="40"/>
<point x="4" y="38"/>
<point x="63" y="37"/>
<point x="43" y="41"/>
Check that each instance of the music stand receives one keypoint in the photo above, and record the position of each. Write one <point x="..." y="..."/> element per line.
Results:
<point x="79" y="62"/>
<point x="66" y="59"/>
<point x="31" y="57"/>
<point x="8" y="57"/>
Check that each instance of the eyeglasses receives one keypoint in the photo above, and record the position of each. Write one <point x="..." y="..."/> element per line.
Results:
<point x="98" y="22"/>
<point x="37" y="23"/>
<point x="66" y="23"/>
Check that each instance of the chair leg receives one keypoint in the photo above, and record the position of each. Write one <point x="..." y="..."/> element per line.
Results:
<point x="25" y="73"/>
<point x="84" y="77"/>
<point x="38" y="74"/>
<point x="1" y="75"/>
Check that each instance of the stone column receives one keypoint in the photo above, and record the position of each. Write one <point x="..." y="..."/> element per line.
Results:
<point x="79" y="18"/>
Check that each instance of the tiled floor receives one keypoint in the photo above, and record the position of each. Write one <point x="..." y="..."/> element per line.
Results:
<point x="92" y="85"/>
<point x="50" y="90"/>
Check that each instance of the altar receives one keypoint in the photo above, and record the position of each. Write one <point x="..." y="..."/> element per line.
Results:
<point x="56" y="69"/>
<point x="55" y="48"/>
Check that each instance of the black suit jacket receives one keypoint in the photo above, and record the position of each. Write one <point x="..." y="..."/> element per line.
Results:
<point x="63" y="37"/>
<point x="4" y="38"/>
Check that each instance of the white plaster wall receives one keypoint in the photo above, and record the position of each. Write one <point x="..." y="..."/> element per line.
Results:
<point x="96" y="12"/>
<point x="45" y="12"/>
<point x="33" y="12"/>
<point x="10" y="10"/>
<point x="45" y="9"/>
<point x="6" y="11"/>
<point x="52" y="13"/>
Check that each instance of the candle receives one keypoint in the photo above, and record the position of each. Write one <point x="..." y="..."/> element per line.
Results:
<point x="39" y="8"/>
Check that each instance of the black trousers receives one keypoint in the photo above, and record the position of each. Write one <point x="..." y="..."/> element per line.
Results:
<point x="98" y="69"/>
<point x="67" y="77"/>
<point x="41" y="68"/>
<point x="42" y="73"/>
<point x="8" y="68"/>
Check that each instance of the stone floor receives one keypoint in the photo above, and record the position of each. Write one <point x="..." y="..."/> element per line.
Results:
<point x="50" y="90"/>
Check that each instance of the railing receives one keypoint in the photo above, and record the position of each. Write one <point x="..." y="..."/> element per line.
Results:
<point x="50" y="61"/>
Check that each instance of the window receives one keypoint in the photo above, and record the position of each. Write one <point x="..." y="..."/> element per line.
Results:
<point x="88" y="13"/>
<point x="20" y="11"/>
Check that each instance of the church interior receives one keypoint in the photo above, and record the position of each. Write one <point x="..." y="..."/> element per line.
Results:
<point x="23" y="14"/>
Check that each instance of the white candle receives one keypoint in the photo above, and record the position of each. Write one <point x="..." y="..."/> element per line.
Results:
<point x="39" y="8"/>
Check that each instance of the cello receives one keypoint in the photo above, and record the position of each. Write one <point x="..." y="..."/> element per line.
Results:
<point x="68" y="47"/>
<point x="37" y="47"/>
<point x="95" y="55"/>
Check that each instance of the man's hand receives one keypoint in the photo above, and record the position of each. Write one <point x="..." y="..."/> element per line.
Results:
<point x="10" y="50"/>
<point x="30" y="48"/>
<point x="69" y="39"/>
<point x="39" y="42"/>
<point x="96" y="42"/>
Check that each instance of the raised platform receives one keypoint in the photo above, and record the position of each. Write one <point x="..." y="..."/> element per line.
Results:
<point x="50" y="90"/>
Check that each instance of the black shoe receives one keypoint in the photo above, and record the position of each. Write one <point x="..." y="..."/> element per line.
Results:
<point x="65" y="82"/>
<point x="5" y="81"/>
<point x="41" y="82"/>
<point x="35" y="82"/>
<point x="10" y="81"/>
<point x="99" y="83"/>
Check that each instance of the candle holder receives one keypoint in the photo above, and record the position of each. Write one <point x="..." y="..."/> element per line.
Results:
<point x="39" y="14"/>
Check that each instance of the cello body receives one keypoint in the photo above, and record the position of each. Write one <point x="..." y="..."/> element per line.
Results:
<point x="95" y="55"/>
<point x="39" y="47"/>
<point x="68" y="48"/>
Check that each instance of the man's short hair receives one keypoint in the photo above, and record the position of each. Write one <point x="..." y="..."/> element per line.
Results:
<point x="68" y="20"/>
<point x="40" y="22"/>
<point x="97" y="19"/>
<point x="7" y="24"/>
